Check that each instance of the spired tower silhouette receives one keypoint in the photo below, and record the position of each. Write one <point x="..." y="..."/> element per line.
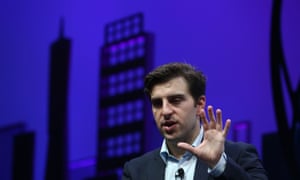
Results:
<point x="57" y="155"/>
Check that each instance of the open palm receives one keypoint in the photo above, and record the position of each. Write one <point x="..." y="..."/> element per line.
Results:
<point x="212" y="146"/>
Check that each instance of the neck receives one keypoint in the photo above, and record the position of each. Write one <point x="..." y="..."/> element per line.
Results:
<point x="175" y="150"/>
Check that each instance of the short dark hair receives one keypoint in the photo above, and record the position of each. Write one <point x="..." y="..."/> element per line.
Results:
<point x="195" y="79"/>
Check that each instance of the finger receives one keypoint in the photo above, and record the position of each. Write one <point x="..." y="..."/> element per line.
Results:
<point x="211" y="115"/>
<point x="227" y="126"/>
<point x="203" y="119"/>
<point x="219" y="124"/>
<point x="187" y="147"/>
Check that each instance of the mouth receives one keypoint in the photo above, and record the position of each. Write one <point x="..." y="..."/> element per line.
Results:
<point x="169" y="126"/>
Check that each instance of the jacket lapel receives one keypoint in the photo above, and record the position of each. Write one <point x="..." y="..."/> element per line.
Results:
<point x="201" y="171"/>
<point x="157" y="170"/>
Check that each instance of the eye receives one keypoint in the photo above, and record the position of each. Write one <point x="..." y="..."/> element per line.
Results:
<point x="176" y="100"/>
<point x="156" y="103"/>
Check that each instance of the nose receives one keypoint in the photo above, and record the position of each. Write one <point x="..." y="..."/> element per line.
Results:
<point x="166" y="110"/>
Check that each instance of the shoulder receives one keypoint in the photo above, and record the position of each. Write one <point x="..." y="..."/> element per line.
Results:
<point x="238" y="145"/>
<point x="140" y="167"/>
<point x="141" y="160"/>
<point x="241" y="145"/>
<point x="238" y="149"/>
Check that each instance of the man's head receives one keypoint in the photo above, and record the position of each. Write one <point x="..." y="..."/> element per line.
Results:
<point x="195" y="79"/>
<point x="177" y="95"/>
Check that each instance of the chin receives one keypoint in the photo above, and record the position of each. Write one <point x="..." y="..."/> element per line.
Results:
<point x="170" y="137"/>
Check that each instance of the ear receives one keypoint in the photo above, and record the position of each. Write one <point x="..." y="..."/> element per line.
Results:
<point x="201" y="103"/>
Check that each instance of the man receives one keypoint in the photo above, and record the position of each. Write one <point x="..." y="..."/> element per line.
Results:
<point x="195" y="145"/>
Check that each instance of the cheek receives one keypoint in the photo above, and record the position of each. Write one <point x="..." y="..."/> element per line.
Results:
<point x="155" y="112"/>
<point x="156" y="117"/>
<point x="157" y="122"/>
<point x="191" y="115"/>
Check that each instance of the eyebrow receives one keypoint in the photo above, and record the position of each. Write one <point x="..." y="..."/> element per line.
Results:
<point x="168" y="97"/>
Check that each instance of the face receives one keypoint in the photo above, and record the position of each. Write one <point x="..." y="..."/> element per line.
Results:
<point x="175" y="111"/>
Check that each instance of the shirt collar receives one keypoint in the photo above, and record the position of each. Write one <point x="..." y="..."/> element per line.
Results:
<point x="164" y="151"/>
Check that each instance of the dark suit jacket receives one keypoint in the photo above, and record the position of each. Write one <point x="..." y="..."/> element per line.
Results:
<point x="242" y="163"/>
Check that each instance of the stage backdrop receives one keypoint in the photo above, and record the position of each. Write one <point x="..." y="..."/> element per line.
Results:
<point x="228" y="40"/>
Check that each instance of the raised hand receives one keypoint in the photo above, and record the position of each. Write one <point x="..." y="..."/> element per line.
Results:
<point x="211" y="148"/>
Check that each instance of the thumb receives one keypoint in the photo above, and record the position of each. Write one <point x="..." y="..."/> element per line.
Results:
<point x="186" y="147"/>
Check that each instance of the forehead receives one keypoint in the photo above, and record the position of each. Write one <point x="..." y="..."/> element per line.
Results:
<point x="176" y="85"/>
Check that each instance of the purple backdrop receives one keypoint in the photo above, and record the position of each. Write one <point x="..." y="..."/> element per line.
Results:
<point x="228" y="40"/>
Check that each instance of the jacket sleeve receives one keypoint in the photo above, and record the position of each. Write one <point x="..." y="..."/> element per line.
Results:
<point x="243" y="163"/>
<point x="126" y="173"/>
